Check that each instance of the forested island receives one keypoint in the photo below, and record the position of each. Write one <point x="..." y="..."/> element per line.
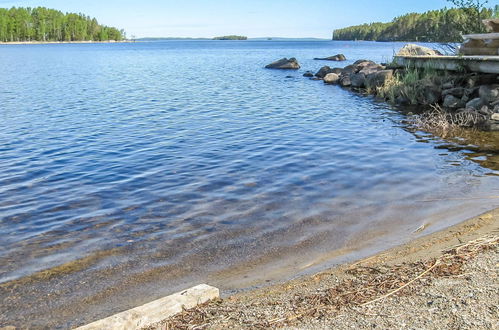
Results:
<point x="48" y="25"/>
<point x="444" y="25"/>
<point x="231" y="37"/>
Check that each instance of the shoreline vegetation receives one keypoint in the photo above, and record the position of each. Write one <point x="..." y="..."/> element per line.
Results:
<point x="445" y="279"/>
<point x="442" y="100"/>
<point x="231" y="37"/>
<point x="444" y="25"/>
<point x="66" y="42"/>
<point x="41" y="24"/>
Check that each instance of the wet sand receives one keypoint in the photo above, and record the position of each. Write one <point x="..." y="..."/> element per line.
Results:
<point x="446" y="279"/>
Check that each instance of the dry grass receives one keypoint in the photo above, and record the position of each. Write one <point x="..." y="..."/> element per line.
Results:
<point x="363" y="286"/>
<point x="444" y="123"/>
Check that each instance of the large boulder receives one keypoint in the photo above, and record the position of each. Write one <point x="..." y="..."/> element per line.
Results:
<point x="331" y="78"/>
<point x="358" y="80"/>
<point x="284" y="64"/>
<point x="323" y="71"/>
<point x="378" y="79"/>
<point x="416" y="50"/>
<point x="345" y="80"/>
<point x="339" y="57"/>
<point x="371" y="68"/>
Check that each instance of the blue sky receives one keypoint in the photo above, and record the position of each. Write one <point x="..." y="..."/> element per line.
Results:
<point x="253" y="18"/>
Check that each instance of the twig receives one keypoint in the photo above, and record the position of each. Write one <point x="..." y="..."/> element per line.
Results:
<point x="405" y="285"/>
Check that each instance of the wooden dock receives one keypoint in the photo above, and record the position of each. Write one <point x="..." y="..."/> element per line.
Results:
<point x="475" y="63"/>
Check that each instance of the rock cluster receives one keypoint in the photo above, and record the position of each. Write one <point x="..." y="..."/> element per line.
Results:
<point x="475" y="94"/>
<point x="361" y="74"/>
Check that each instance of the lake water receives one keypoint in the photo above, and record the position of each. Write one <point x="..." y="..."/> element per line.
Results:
<point x="129" y="171"/>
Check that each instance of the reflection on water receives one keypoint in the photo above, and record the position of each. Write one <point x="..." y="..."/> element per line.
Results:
<point x="129" y="171"/>
<point x="474" y="145"/>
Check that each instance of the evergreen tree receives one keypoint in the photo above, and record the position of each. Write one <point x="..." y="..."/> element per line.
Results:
<point x="445" y="25"/>
<point x="43" y="24"/>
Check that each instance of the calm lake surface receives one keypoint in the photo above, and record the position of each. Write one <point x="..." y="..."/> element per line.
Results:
<point x="129" y="171"/>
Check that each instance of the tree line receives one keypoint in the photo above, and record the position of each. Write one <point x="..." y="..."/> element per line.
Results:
<point x="43" y="24"/>
<point x="444" y="25"/>
<point x="231" y="37"/>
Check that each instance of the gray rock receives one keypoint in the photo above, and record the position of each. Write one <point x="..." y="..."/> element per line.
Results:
<point x="489" y="93"/>
<point x="339" y="57"/>
<point x="308" y="74"/>
<point x="450" y="101"/>
<point x="416" y="50"/>
<point x="345" y="80"/>
<point x="378" y="79"/>
<point x="363" y="61"/>
<point x="491" y="125"/>
<point x="447" y="85"/>
<point x="495" y="116"/>
<point x="331" y="78"/>
<point x="432" y="94"/>
<point x="456" y="91"/>
<point x="368" y="69"/>
<point x="284" y="64"/>
<point x="485" y="111"/>
<point x="402" y="100"/>
<point x="358" y="80"/>
<point x="323" y="72"/>
<point x="476" y="104"/>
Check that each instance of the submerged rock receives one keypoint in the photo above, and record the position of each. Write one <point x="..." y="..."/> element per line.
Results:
<point x="308" y="74"/>
<point x="338" y="57"/>
<point x="416" y="50"/>
<point x="284" y="64"/>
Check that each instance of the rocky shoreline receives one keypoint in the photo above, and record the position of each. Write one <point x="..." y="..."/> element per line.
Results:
<point x="464" y="99"/>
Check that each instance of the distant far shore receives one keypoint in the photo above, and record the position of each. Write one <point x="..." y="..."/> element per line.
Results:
<point x="63" y="42"/>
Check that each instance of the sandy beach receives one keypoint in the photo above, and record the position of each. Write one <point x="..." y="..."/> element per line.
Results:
<point x="447" y="279"/>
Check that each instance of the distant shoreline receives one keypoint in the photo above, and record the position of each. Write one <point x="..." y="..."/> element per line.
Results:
<point x="64" y="42"/>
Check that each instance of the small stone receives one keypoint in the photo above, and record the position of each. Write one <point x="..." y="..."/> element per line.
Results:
<point x="495" y="116"/>
<point x="452" y="102"/>
<point x="485" y="111"/>
<point x="308" y="74"/>
<point x="456" y="91"/>
<point x="447" y="85"/>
